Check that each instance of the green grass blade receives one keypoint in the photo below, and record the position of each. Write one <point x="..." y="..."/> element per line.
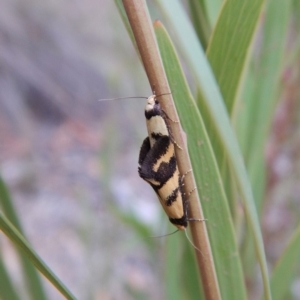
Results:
<point x="7" y="205"/>
<point x="206" y="173"/>
<point x="230" y="45"/>
<point x="183" y="284"/>
<point x="259" y="99"/>
<point x="7" y="290"/>
<point x="220" y="131"/>
<point x="123" y="15"/>
<point x="243" y="118"/>
<point x="190" y="275"/>
<point x="174" y="288"/>
<point x="200" y="21"/>
<point x="283" y="274"/>
<point x="228" y="54"/>
<point x="213" y="8"/>
<point x="32" y="278"/>
<point x="14" y="235"/>
<point x="263" y="94"/>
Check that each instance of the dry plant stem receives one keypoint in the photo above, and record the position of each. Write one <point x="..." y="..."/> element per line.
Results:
<point x="143" y="32"/>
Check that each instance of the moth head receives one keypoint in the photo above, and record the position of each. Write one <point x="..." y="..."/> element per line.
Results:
<point x="151" y="102"/>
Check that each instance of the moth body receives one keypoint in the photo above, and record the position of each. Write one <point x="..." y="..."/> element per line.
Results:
<point x="158" y="165"/>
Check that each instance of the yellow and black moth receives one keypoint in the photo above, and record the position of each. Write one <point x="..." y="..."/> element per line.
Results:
<point x="158" y="165"/>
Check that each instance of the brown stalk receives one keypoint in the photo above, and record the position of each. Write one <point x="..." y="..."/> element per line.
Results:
<point x="141" y="25"/>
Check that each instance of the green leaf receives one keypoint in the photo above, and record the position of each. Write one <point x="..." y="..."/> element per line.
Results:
<point x="217" y="122"/>
<point x="228" y="54"/>
<point x="123" y="15"/>
<point x="173" y="278"/>
<point x="7" y="290"/>
<point x="32" y="278"/>
<point x="257" y="105"/>
<point x="261" y="98"/>
<point x="14" y="235"/>
<point x="283" y="273"/>
<point x="209" y="184"/>
<point x="213" y="9"/>
<point x="190" y="274"/>
<point x="230" y="45"/>
<point x="200" y="22"/>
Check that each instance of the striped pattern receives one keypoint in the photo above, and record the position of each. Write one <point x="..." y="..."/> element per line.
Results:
<point x="158" y="165"/>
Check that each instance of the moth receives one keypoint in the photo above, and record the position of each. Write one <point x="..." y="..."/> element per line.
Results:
<point x="158" y="165"/>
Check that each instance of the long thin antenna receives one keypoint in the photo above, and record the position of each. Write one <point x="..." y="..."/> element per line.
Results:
<point x="136" y="97"/>
<point x="122" y="98"/>
<point x="155" y="237"/>
<point x="163" y="94"/>
<point x="185" y="231"/>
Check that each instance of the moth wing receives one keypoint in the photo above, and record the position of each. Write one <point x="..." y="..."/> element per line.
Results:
<point x="145" y="148"/>
<point x="159" y="163"/>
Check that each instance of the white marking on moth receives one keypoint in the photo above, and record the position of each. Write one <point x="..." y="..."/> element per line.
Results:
<point x="156" y="124"/>
<point x="150" y="103"/>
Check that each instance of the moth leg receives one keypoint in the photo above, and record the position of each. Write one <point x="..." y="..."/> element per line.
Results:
<point x="172" y="138"/>
<point x="182" y="182"/>
<point x="165" y="116"/>
<point x="185" y="207"/>
<point x="183" y="176"/>
<point x="174" y="142"/>
<point x="186" y="201"/>
<point x="187" y="172"/>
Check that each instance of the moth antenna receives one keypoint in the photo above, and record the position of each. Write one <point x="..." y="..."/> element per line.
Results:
<point x="155" y="237"/>
<point x="192" y="243"/>
<point x="161" y="94"/>
<point x="120" y="98"/>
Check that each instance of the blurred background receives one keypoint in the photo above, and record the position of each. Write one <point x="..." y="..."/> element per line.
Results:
<point x="70" y="161"/>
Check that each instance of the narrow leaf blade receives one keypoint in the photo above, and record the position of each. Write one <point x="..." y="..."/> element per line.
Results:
<point x="221" y="133"/>
<point x="14" y="235"/>
<point x="208" y="179"/>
